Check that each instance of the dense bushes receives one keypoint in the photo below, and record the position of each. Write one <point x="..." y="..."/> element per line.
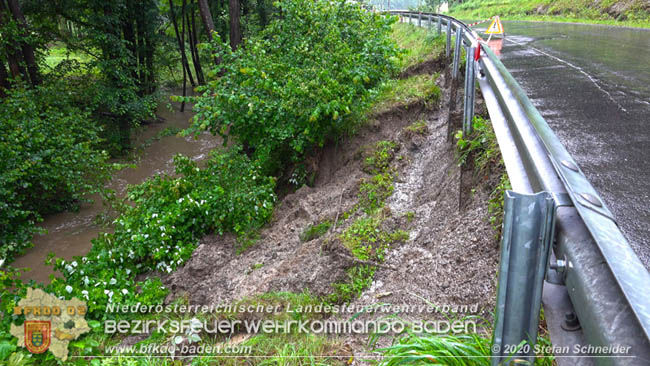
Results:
<point x="160" y="230"/>
<point x="299" y="82"/>
<point x="285" y="92"/>
<point x="48" y="161"/>
<point x="116" y="108"/>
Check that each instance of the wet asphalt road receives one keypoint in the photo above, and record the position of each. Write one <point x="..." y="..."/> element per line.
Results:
<point x="592" y="84"/>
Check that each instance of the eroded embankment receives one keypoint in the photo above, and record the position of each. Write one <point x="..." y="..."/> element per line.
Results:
<point x="397" y="177"/>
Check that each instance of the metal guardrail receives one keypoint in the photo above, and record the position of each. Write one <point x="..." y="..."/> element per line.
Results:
<point x="606" y="283"/>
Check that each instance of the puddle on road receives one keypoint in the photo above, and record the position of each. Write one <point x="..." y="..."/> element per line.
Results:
<point x="69" y="233"/>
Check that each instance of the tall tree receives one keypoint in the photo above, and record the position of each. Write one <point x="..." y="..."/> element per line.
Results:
<point x="181" y="40"/>
<point x="4" y="79"/>
<point x="10" y="51"/>
<point x="150" y="46"/>
<point x="128" y="30"/>
<point x="206" y="16"/>
<point x="262" y="13"/>
<point x="235" y="24"/>
<point x="27" y="48"/>
<point x="191" y="31"/>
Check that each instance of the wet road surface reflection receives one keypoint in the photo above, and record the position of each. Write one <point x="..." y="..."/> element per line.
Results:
<point x="592" y="85"/>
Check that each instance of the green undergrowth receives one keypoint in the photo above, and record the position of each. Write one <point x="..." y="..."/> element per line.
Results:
<point x="366" y="238"/>
<point x="359" y="278"/>
<point x="450" y="350"/>
<point x="51" y="159"/>
<point x="463" y="349"/>
<point x="374" y="191"/>
<point x="417" y="128"/>
<point x="404" y="92"/>
<point x="315" y="231"/>
<point x="160" y="229"/>
<point x="631" y="13"/>
<point x="418" y="43"/>
<point x="481" y="150"/>
<point x="379" y="159"/>
<point x="286" y="348"/>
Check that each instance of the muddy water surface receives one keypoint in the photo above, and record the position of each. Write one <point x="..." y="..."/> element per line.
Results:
<point x="69" y="233"/>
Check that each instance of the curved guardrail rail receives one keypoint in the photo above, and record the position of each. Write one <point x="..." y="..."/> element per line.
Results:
<point x="606" y="283"/>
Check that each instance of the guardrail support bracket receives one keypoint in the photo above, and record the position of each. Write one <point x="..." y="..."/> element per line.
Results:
<point x="448" y="49"/>
<point x="470" y="91"/>
<point x="528" y="226"/>
<point x="457" y="51"/>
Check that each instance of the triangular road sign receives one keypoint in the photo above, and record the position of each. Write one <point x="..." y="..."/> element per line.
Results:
<point x="495" y="27"/>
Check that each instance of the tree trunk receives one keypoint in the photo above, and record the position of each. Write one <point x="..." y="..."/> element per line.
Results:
<point x="206" y="16"/>
<point x="129" y="37"/>
<point x="191" y="30"/>
<point x="28" y="50"/>
<point x="12" y="57"/>
<point x="149" y="55"/>
<point x="4" y="80"/>
<point x="235" y="26"/>
<point x="141" y="35"/>
<point x="261" y="12"/>
<point x="181" y="42"/>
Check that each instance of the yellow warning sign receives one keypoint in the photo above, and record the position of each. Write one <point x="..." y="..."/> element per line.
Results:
<point x="495" y="27"/>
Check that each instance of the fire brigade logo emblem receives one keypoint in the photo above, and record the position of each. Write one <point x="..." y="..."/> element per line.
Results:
<point x="37" y="335"/>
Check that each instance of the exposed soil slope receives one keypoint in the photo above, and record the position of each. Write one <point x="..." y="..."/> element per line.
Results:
<point x="451" y="254"/>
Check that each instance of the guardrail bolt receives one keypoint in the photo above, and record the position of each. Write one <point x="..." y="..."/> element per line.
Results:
<point x="559" y="265"/>
<point x="571" y="322"/>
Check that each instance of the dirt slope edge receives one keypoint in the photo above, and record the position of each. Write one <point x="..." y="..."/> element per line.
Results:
<point x="450" y="258"/>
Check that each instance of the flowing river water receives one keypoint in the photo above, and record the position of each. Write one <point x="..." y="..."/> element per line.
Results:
<point x="69" y="234"/>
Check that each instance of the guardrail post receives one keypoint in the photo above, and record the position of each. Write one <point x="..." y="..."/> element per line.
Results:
<point x="448" y="49"/>
<point x="419" y="19"/>
<point x="457" y="51"/>
<point x="429" y="21"/>
<point x="466" y="94"/>
<point x="470" y="92"/>
<point x="528" y="226"/>
<point x="439" y="25"/>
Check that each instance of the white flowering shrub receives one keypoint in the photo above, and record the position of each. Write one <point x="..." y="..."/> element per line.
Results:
<point x="160" y="230"/>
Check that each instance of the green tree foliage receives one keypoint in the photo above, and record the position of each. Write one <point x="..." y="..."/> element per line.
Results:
<point x="119" y="39"/>
<point x="48" y="160"/>
<point x="299" y="82"/>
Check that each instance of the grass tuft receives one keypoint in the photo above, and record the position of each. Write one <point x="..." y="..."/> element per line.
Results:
<point x="315" y="231"/>
<point x="418" y="44"/>
<point x="417" y="128"/>
<point x="629" y="13"/>
<point x="381" y="156"/>
<point x="404" y="92"/>
<point x="482" y="150"/>
<point x="450" y="350"/>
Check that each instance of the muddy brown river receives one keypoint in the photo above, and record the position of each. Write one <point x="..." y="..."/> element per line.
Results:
<point x="69" y="234"/>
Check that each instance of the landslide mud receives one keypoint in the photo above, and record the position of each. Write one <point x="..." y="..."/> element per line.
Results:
<point x="450" y="258"/>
